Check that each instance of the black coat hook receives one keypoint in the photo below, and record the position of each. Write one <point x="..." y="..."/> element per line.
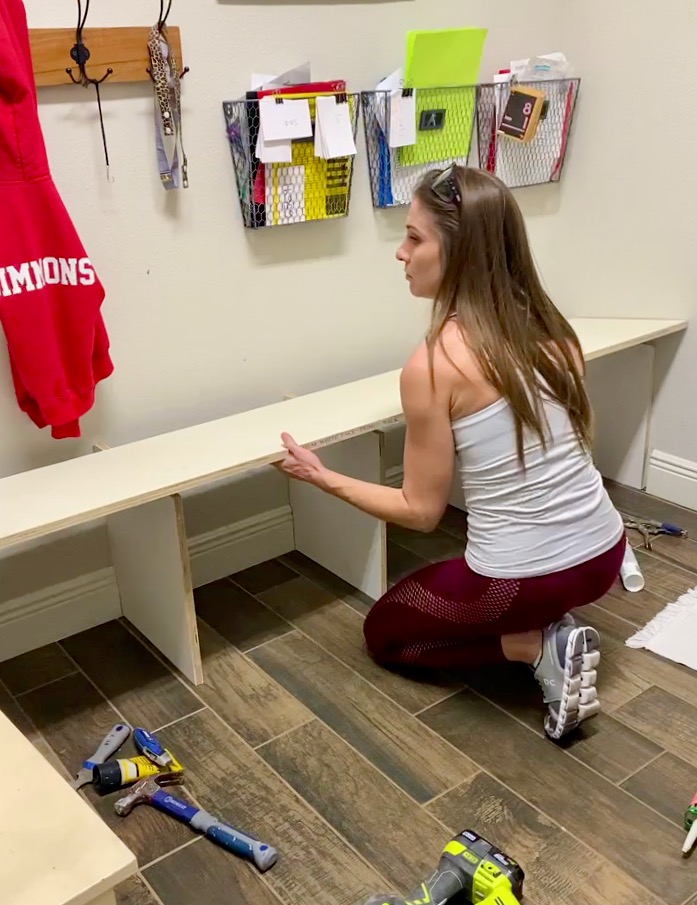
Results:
<point x="81" y="54"/>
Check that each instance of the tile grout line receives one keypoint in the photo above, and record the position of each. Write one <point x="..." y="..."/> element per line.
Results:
<point x="436" y="703"/>
<point x="281" y="735"/>
<point x="647" y="764"/>
<point x="431" y="731"/>
<point x="17" y="695"/>
<point x="296" y="628"/>
<point x="278" y="776"/>
<point x="263" y="643"/>
<point x="179" y="719"/>
<point x="442" y="738"/>
<point x="576" y="759"/>
<point x="427" y="804"/>
<point x="149" y="888"/>
<point x="174" y="851"/>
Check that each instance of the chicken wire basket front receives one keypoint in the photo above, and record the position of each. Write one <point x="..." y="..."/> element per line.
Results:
<point x="539" y="161"/>
<point x="445" y="120"/>
<point x="276" y="194"/>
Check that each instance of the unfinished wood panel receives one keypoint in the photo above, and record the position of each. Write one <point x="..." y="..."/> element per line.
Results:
<point x="602" y="815"/>
<point x="37" y="667"/>
<point x="392" y="740"/>
<point x="65" y="854"/>
<point x="134" y="892"/>
<point x="603" y="743"/>
<point x="138" y="684"/>
<point x="254" y="705"/>
<point x="149" y="551"/>
<point x="125" y="50"/>
<point x="339" y="629"/>
<point x="559" y="870"/>
<point x="238" y="616"/>
<point x="390" y="830"/>
<point x="69" y="493"/>
<point x="667" y="720"/>
<point x="668" y="785"/>
<point x="333" y="533"/>
<point x="204" y="872"/>
<point x="231" y="781"/>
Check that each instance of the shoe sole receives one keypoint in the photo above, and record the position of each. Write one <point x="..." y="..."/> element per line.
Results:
<point x="579" y="700"/>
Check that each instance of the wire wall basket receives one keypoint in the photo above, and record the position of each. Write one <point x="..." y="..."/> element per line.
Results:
<point x="445" y="119"/>
<point x="540" y="160"/>
<point x="275" y="194"/>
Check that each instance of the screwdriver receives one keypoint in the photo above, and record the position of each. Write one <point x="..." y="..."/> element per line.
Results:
<point x="111" y="743"/>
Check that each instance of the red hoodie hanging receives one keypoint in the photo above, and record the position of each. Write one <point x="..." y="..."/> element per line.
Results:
<point x="50" y="295"/>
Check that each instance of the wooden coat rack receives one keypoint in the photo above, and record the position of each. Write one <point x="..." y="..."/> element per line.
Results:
<point x="125" y="50"/>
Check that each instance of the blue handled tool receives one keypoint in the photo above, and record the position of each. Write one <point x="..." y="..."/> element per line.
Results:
<point x="148" y="745"/>
<point x="149" y="791"/>
<point x="111" y="743"/>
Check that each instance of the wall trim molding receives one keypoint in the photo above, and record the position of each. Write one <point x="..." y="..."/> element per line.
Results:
<point x="41" y="617"/>
<point x="672" y="478"/>
<point x="55" y="612"/>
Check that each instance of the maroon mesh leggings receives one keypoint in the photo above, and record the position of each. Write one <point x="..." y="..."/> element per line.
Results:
<point x="445" y="615"/>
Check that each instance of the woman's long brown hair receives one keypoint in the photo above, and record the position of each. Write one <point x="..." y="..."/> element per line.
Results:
<point x="521" y="341"/>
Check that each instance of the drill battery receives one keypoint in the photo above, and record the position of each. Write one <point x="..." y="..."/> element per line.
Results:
<point x="486" y="872"/>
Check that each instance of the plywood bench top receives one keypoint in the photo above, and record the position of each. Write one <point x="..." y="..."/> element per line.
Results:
<point x="54" y="849"/>
<point x="38" y="502"/>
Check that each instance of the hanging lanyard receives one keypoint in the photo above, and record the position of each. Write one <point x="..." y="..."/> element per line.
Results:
<point x="168" y="111"/>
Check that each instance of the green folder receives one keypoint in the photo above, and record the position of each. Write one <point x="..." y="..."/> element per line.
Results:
<point x="437" y="60"/>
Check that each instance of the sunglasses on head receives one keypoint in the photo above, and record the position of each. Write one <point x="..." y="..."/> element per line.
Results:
<point x="444" y="186"/>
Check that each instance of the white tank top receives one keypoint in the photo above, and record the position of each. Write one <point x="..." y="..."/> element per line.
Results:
<point x="556" y="515"/>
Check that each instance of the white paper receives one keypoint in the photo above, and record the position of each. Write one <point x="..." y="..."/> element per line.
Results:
<point x="283" y="120"/>
<point x="392" y="83"/>
<point x="299" y="75"/>
<point x="258" y="80"/>
<point x="402" y="130"/>
<point x="335" y="127"/>
<point x="273" y="151"/>
<point x="319" y="144"/>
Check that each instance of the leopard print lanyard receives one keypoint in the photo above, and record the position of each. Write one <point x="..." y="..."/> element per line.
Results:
<point x="168" y="113"/>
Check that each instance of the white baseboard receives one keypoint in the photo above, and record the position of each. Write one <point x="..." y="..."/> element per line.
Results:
<point x="36" y="619"/>
<point x="672" y="479"/>
<point x="241" y="545"/>
<point x="62" y="610"/>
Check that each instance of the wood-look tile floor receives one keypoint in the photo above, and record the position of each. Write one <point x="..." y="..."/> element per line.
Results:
<point x="358" y="775"/>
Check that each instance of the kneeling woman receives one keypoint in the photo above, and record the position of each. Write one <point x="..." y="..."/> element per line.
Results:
<point x="497" y="389"/>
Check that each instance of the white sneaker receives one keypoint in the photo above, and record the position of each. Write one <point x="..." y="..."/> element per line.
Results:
<point x="567" y="673"/>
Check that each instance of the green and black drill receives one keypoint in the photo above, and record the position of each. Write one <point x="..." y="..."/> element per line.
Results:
<point x="470" y="868"/>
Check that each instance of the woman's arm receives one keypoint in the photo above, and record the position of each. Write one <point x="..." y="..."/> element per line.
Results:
<point x="428" y="458"/>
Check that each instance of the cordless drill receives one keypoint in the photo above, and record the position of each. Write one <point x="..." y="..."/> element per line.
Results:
<point x="471" y="868"/>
